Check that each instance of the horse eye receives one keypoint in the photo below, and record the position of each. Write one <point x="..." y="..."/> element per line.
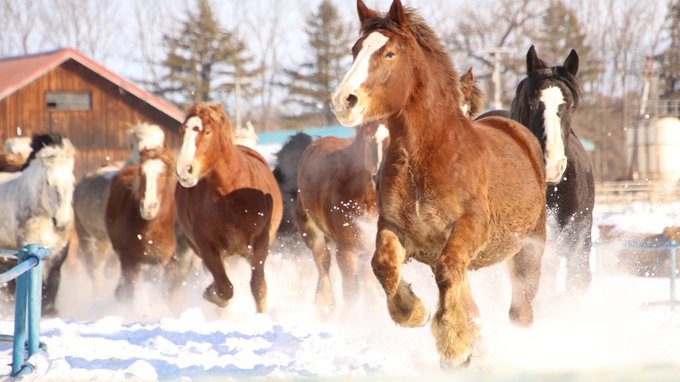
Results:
<point x="207" y="132"/>
<point x="390" y="54"/>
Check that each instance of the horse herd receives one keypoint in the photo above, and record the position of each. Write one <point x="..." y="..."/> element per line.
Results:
<point x="450" y="189"/>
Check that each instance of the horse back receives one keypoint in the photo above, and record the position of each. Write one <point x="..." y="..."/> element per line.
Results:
<point x="525" y="151"/>
<point x="329" y="177"/>
<point x="232" y="205"/>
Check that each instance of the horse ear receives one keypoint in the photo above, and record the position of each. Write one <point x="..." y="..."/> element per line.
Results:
<point x="217" y="106"/>
<point x="397" y="13"/>
<point x="468" y="76"/>
<point x="533" y="62"/>
<point x="571" y="63"/>
<point x="365" y="12"/>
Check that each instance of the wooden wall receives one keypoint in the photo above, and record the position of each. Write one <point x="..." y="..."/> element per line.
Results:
<point x="98" y="133"/>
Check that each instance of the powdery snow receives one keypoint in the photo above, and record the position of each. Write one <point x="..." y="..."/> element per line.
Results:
<point x="611" y="333"/>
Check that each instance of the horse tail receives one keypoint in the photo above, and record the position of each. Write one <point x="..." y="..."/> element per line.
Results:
<point x="286" y="174"/>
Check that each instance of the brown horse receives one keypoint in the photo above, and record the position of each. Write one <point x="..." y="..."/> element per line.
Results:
<point x="228" y="201"/>
<point x="336" y="193"/>
<point x="473" y="98"/>
<point x="140" y="220"/>
<point x="454" y="194"/>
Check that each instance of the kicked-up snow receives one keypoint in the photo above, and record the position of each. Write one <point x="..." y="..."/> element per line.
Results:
<point x="622" y="329"/>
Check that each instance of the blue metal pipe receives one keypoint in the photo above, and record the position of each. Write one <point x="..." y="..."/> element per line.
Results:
<point x="21" y="297"/>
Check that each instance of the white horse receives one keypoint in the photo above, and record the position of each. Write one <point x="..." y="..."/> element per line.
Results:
<point x="36" y="208"/>
<point x="89" y="204"/>
<point x="246" y="136"/>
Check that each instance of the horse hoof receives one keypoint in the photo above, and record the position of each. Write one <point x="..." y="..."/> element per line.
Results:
<point x="420" y="316"/>
<point x="211" y="295"/>
<point x="457" y="363"/>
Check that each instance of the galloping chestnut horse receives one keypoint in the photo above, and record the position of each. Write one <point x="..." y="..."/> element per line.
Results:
<point x="454" y="194"/>
<point x="140" y="220"/>
<point x="545" y="102"/>
<point x="228" y="202"/>
<point x="336" y="194"/>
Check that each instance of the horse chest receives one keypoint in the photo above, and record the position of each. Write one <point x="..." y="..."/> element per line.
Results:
<point x="423" y="224"/>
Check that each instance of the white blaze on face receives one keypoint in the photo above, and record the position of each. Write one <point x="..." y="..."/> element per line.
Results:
<point x="555" y="159"/>
<point x="152" y="170"/>
<point x="353" y="80"/>
<point x="185" y="159"/>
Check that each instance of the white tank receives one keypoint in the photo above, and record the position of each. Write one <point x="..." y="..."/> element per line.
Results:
<point x="658" y="149"/>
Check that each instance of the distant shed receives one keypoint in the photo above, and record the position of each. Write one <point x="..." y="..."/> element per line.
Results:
<point x="64" y="91"/>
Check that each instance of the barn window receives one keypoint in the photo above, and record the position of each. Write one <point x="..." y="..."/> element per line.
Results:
<point x="68" y="101"/>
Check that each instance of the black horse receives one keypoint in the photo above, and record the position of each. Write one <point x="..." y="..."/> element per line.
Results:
<point x="286" y="174"/>
<point x="545" y="102"/>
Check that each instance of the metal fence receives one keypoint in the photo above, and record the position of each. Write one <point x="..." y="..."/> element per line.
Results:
<point x="28" y="299"/>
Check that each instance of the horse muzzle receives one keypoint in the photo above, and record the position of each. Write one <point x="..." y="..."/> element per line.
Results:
<point x="60" y="225"/>
<point x="347" y="109"/>
<point x="148" y="212"/>
<point x="186" y="174"/>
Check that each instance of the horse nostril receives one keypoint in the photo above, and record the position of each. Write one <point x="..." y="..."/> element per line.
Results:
<point x="352" y="100"/>
<point x="54" y="222"/>
<point x="190" y="169"/>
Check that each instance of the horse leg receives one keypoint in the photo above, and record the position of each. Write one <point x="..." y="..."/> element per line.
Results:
<point x="221" y="290"/>
<point x="349" y="268"/>
<point x="129" y="276"/>
<point x="405" y="308"/>
<point x="454" y="326"/>
<point x="258" y="284"/>
<point x="178" y="268"/>
<point x="52" y="280"/>
<point x="315" y="240"/>
<point x="525" y="273"/>
<point x="578" y="261"/>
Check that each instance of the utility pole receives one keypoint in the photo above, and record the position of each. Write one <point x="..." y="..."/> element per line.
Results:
<point x="237" y="82"/>
<point x="496" y="52"/>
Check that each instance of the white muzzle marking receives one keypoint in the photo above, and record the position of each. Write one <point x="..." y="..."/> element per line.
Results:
<point x="186" y="168"/>
<point x="353" y="80"/>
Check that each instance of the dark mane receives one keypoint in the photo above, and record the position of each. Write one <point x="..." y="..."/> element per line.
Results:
<point x="424" y="35"/>
<point x="520" y="109"/>
<point x="39" y="141"/>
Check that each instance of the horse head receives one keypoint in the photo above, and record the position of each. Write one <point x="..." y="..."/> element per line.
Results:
<point x="393" y="57"/>
<point x="56" y="155"/>
<point x="155" y="174"/>
<point x="473" y="98"/>
<point x="143" y="136"/>
<point x="204" y="131"/>
<point x="545" y="102"/>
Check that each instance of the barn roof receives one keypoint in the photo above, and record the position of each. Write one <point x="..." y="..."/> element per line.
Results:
<point x="19" y="71"/>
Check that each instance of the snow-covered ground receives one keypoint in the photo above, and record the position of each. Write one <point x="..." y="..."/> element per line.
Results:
<point x="611" y="333"/>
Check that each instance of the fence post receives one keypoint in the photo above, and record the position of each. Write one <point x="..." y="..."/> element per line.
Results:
<point x="34" y="298"/>
<point x="21" y="297"/>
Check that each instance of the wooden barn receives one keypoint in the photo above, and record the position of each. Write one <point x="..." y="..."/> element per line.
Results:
<point x="66" y="92"/>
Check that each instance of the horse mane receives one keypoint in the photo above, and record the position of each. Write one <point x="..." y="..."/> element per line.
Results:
<point x="146" y="134"/>
<point x="40" y="141"/>
<point x="215" y="112"/>
<point x="520" y="109"/>
<point x="159" y="153"/>
<point x="426" y="38"/>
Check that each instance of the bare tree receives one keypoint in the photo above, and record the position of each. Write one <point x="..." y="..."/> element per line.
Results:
<point x="503" y="24"/>
<point x="19" y="32"/>
<point x="91" y="26"/>
<point x="153" y="20"/>
<point x="263" y="23"/>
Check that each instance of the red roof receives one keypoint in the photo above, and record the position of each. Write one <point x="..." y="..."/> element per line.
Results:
<point x="17" y="72"/>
